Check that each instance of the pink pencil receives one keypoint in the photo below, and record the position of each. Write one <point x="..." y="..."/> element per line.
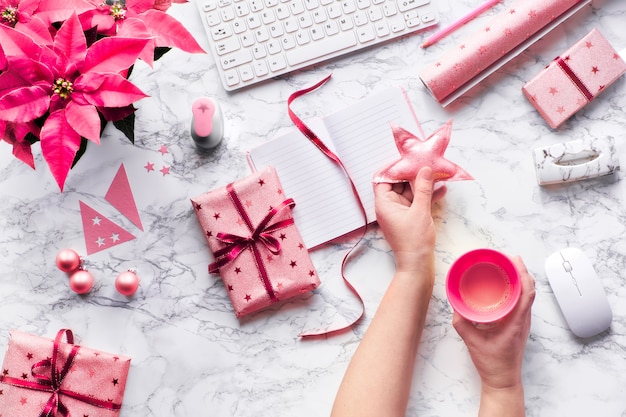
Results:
<point x="458" y="23"/>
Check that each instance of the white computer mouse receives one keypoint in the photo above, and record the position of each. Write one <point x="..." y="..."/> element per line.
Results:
<point x="579" y="292"/>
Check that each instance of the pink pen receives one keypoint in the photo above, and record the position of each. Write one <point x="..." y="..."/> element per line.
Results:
<point x="458" y="23"/>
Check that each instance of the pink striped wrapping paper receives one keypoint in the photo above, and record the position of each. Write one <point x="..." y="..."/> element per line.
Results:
<point x="492" y="42"/>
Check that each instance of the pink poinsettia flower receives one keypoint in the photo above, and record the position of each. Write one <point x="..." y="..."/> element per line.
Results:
<point x="34" y="17"/>
<point x="67" y="83"/>
<point x="140" y="19"/>
<point x="19" y="14"/>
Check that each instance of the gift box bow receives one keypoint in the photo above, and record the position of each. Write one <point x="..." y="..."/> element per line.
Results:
<point x="261" y="234"/>
<point x="49" y="374"/>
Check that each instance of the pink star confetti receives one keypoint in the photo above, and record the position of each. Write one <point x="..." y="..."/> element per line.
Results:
<point x="416" y="153"/>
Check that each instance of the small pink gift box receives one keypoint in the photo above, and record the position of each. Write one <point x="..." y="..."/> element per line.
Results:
<point x="257" y="247"/>
<point x="574" y="78"/>
<point x="43" y="377"/>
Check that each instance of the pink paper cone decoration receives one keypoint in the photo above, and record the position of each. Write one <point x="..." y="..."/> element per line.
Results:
<point x="121" y="197"/>
<point x="100" y="232"/>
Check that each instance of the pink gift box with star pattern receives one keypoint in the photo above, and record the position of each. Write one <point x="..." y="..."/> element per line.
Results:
<point x="574" y="78"/>
<point x="257" y="248"/>
<point x="56" y="377"/>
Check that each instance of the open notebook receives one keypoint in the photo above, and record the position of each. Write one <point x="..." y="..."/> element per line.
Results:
<point x="361" y="136"/>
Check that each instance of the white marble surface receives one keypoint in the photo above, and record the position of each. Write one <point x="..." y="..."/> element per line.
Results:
<point x="192" y="357"/>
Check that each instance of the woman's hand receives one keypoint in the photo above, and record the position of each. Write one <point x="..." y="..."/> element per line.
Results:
<point x="403" y="212"/>
<point x="497" y="351"/>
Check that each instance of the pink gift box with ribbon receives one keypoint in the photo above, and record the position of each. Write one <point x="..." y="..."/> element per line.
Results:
<point x="44" y="377"/>
<point x="574" y="78"/>
<point x="257" y="247"/>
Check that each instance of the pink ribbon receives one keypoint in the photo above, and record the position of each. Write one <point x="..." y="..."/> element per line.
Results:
<point x="326" y="151"/>
<point x="52" y="381"/>
<point x="562" y="63"/>
<point x="261" y="234"/>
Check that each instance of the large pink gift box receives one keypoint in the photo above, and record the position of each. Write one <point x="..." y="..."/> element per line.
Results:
<point x="44" y="377"/>
<point x="574" y="78"/>
<point x="257" y="247"/>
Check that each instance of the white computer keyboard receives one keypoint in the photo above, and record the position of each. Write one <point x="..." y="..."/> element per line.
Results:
<point x="254" y="40"/>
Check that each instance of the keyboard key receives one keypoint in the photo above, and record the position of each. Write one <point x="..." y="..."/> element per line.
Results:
<point x="213" y="18"/>
<point x="220" y="32"/>
<point x="235" y="59"/>
<point x="323" y="47"/>
<point x="260" y="68"/>
<point x="246" y="72"/>
<point x="381" y="28"/>
<point x="277" y="63"/>
<point x="405" y="5"/>
<point x="231" y="77"/>
<point x="227" y="45"/>
<point x="366" y="34"/>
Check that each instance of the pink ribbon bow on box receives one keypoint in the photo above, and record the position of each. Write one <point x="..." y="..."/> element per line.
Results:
<point x="262" y="233"/>
<point x="49" y="376"/>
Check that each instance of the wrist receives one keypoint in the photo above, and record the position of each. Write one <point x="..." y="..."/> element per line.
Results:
<point x="415" y="262"/>
<point x="500" y="401"/>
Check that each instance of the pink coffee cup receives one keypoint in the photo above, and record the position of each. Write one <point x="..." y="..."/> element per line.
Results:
<point x="483" y="285"/>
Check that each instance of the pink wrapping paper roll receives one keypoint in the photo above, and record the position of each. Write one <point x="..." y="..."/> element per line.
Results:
<point x="511" y="28"/>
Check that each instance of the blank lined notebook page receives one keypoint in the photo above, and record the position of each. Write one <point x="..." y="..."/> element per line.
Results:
<point x="326" y="207"/>
<point x="364" y="141"/>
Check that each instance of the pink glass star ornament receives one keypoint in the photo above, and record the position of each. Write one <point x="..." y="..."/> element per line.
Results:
<point x="416" y="153"/>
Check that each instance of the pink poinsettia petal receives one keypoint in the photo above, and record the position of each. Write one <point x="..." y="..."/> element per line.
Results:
<point x="162" y="5"/>
<point x="70" y="40"/>
<point x="95" y="18"/>
<point x="112" y="55"/>
<point x="170" y="32"/>
<point x="59" y="144"/>
<point x="36" y="29"/>
<point x="136" y="28"/>
<point x="28" y="7"/>
<point x="14" y="134"/>
<point x="24" y="104"/>
<point x="113" y="90"/>
<point x="16" y="43"/>
<point x="11" y="80"/>
<point x="31" y="72"/>
<point x="84" y="120"/>
<point x="3" y="60"/>
<point x="139" y="6"/>
<point x="50" y="11"/>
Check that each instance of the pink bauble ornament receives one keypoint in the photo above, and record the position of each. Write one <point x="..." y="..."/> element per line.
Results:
<point x="68" y="260"/>
<point x="127" y="283"/>
<point x="81" y="281"/>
